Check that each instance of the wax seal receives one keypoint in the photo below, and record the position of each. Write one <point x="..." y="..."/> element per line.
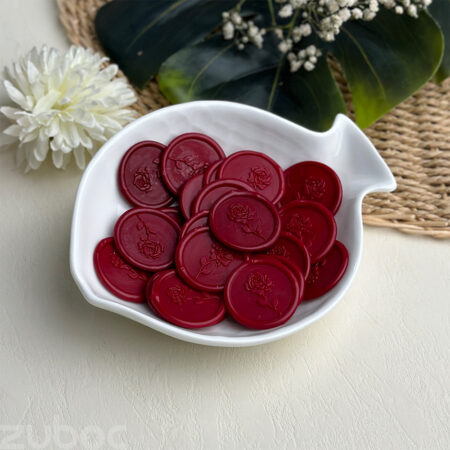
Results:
<point x="258" y="170"/>
<point x="312" y="224"/>
<point x="327" y="272"/>
<point x="184" y="306"/>
<point x="117" y="275"/>
<point x="140" y="176"/>
<point x="215" y="190"/>
<point x="262" y="294"/>
<point x="245" y="221"/>
<point x="312" y="180"/>
<point x="203" y="262"/>
<point x="186" y="156"/>
<point x="147" y="238"/>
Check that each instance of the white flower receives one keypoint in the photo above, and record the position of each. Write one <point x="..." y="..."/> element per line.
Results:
<point x="66" y="103"/>
<point x="286" y="11"/>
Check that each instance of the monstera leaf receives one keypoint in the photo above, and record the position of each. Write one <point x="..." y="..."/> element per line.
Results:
<point x="179" y="41"/>
<point x="440" y="10"/>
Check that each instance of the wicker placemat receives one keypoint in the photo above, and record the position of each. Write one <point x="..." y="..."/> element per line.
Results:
<point x="414" y="139"/>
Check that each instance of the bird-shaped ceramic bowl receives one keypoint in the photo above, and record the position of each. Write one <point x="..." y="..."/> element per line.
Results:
<point x="99" y="203"/>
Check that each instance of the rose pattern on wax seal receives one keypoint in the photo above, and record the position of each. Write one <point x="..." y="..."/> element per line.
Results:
<point x="148" y="247"/>
<point x="181" y="295"/>
<point x="315" y="271"/>
<point x="218" y="256"/>
<point x="278" y="250"/>
<point x="145" y="178"/>
<point x="259" y="178"/>
<point x="301" y="227"/>
<point x="312" y="189"/>
<point x="189" y="166"/>
<point x="119" y="263"/>
<point x="261" y="285"/>
<point x="242" y="214"/>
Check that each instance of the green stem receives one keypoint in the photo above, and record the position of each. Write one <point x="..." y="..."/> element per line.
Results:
<point x="280" y="65"/>
<point x="272" y="13"/>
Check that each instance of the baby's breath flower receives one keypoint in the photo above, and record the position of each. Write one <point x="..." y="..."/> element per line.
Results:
<point x="324" y="18"/>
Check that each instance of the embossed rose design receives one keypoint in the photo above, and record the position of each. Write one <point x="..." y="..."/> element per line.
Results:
<point x="218" y="256"/>
<point x="261" y="285"/>
<point x="313" y="188"/>
<point x="143" y="179"/>
<point x="240" y="213"/>
<point x="190" y="165"/>
<point x="180" y="295"/>
<point x="150" y="249"/>
<point x="258" y="283"/>
<point x="278" y="250"/>
<point x="301" y="226"/>
<point x="118" y="262"/>
<point x="177" y="294"/>
<point x="259" y="178"/>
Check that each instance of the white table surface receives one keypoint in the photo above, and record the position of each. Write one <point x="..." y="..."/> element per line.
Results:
<point x="373" y="374"/>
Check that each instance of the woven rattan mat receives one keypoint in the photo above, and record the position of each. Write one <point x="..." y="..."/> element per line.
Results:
<point x="414" y="140"/>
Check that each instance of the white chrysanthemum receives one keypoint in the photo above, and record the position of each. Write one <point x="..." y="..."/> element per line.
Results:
<point x="66" y="103"/>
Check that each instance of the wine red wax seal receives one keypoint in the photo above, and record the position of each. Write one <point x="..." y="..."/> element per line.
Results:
<point x="148" y="291"/>
<point x="117" y="275"/>
<point x="184" y="306"/>
<point x="186" y="156"/>
<point x="203" y="262"/>
<point x="312" y="180"/>
<point x="210" y="174"/>
<point x="289" y="264"/>
<point x="245" y="221"/>
<point x="199" y="220"/>
<point x="147" y="238"/>
<point x="140" y="176"/>
<point x="188" y="194"/>
<point x="312" y="224"/>
<point x="327" y="272"/>
<point x="289" y="247"/>
<point x="262" y="293"/>
<point x="258" y="170"/>
<point x="174" y="213"/>
<point x="213" y="191"/>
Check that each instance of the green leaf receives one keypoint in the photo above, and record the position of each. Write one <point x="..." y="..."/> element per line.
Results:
<point x="386" y="60"/>
<point x="440" y="10"/>
<point x="140" y="34"/>
<point x="215" y="69"/>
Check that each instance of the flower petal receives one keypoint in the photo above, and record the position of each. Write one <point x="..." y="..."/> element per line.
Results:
<point x="80" y="157"/>
<point x="16" y="96"/>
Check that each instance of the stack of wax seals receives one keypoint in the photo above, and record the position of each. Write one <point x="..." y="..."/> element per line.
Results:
<point x="210" y="234"/>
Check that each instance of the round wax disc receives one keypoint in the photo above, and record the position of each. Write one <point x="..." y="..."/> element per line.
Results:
<point x="245" y="221"/>
<point x="117" y="275"/>
<point x="184" y="306"/>
<point x="188" y="194"/>
<point x="327" y="272"/>
<point x="148" y="291"/>
<point x="258" y="170"/>
<point x="147" y="238"/>
<point x="262" y="294"/>
<point x="199" y="220"/>
<point x="211" y="173"/>
<point x="311" y="180"/>
<point x="203" y="262"/>
<point x="186" y="156"/>
<point x="290" y="265"/>
<point x="140" y="176"/>
<point x="213" y="191"/>
<point x="288" y="246"/>
<point x="175" y="214"/>
<point x="312" y="224"/>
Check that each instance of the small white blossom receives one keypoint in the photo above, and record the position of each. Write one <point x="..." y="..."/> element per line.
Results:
<point x="66" y="103"/>
<point x="286" y="11"/>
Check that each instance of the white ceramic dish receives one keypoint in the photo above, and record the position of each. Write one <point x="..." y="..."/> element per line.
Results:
<point x="236" y="127"/>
